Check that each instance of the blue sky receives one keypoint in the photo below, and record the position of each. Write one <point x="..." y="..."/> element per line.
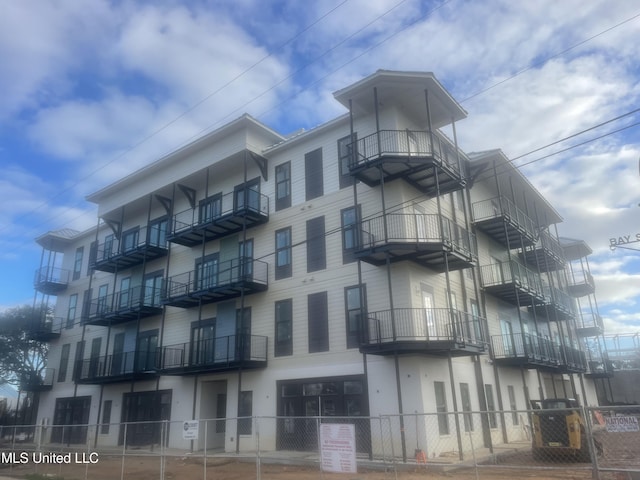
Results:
<point x="92" y="94"/>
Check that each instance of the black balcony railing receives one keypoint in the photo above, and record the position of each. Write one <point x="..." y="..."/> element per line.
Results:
<point x="45" y="329"/>
<point x="422" y="238"/>
<point x="223" y="216"/>
<point x="581" y="281"/>
<point x="512" y="282"/>
<point x="555" y="305"/>
<point x="589" y="324"/>
<point x="530" y="351"/>
<point x="505" y="222"/>
<point x="215" y="354"/>
<point x="599" y="365"/>
<point x="117" y="367"/>
<point x="546" y="255"/>
<point x="37" y="381"/>
<point x="426" y="330"/>
<point x="129" y="304"/>
<point x="51" y="280"/>
<point x="134" y="247"/>
<point x="574" y="360"/>
<point x="216" y="282"/>
<point x="407" y="154"/>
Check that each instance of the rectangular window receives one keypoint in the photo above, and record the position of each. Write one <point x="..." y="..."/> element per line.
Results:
<point x="106" y="417"/>
<point x="152" y="288"/>
<point x="158" y="232"/>
<point x="344" y="158"/>
<point x="512" y="404"/>
<point x="102" y="300"/>
<point x="349" y="218"/>
<point x="283" y="253"/>
<point x="283" y="186"/>
<point x="93" y="252"/>
<point x="284" y="328"/>
<point x="206" y="274"/>
<point x="245" y="255"/>
<point x="64" y="362"/>
<point x="77" y="360"/>
<point x="316" y="245"/>
<point x="86" y="303"/>
<point x="441" y="408"/>
<point x="130" y="240"/>
<point x="108" y="250"/>
<point x="71" y="311"/>
<point x="313" y="174"/>
<point x="491" y="406"/>
<point x="318" y="322"/>
<point x="466" y="407"/>
<point x="77" y="263"/>
<point x="210" y="209"/>
<point x="354" y="301"/>
<point x="245" y="409"/>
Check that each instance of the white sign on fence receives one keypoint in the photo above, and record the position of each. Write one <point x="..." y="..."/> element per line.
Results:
<point x="621" y="424"/>
<point x="338" y="447"/>
<point x="190" y="430"/>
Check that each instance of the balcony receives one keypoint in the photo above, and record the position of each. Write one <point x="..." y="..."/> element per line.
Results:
<point x="581" y="283"/>
<point x="37" y="381"/>
<point x="574" y="360"/>
<point x="421" y="158"/>
<point x="512" y="282"/>
<point x="45" y="330"/>
<point x="599" y="365"/>
<point x="223" y="216"/>
<point x="432" y="241"/>
<point x="216" y="283"/>
<point x="589" y="324"/>
<point x="128" y="305"/>
<point x="51" y="280"/>
<point x="525" y="350"/>
<point x="506" y="223"/>
<point x="432" y="331"/>
<point x="134" y="248"/>
<point x="546" y="255"/>
<point x="118" y="367"/>
<point x="220" y="354"/>
<point x="556" y="305"/>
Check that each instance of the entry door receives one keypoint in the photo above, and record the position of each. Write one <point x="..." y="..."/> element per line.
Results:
<point x="430" y="329"/>
<point x="507" y="337"/>
<point x="146" y="352"/>
<point x="207" y="273"/>
<point x="152" y="286"/>
<point x="203" y="344"/>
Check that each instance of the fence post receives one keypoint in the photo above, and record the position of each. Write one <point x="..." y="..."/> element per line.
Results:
<point x="257" y="429"/>
<point x="593" y="452"/>
<point x="124" y="451"/>
<point x="204" y="457"/>
<point x="473" y="454"/>
<point x="319" y="446"/>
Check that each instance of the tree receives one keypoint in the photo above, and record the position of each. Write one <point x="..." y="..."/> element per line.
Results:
<point x="22" y="358"/>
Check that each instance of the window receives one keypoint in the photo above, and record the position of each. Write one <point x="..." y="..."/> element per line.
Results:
<point x="158" y="232"/>
<point x="313" y="174"/>
<point x="318" y="322"/>
<point x="77" y="363"/>
<point x="245" y="255"/>
<point x="130" y="240"/>
<point x="203" y="335"/>
<point x="210" y="209"/>
<point x="93" y="252"/>
<point x="350" y="238"/>
<point x="247" y="196"/>
<point x="206" y="275"/>
<point x="344" y="158"/>
<point x="512" y="404"/>
<point x="106" y="417"/>
<point x="64" y="362"/>
<point x="316" y="245"/>
<point x="101" y="304"/>
<point x="491" y="406"/>
<point x="466" y="407"/>
<point x="458" y="200"/>
<point x="71" y="311"/>
<point x="94" y="357"/>
<point x="245" y="409"/>
<point x="146" y="351"/>
<point x="283" y="186"/>
<point x="77" y="263"/>
<point x="284" y="326"/>
<point x="283" y="253"/>
<point x="152" y="287"/>
<point x="441" y="408"/>
<point x="124" y="297"/>
<point x="86" y="303"/>
<point x="354" y="308"/>
<point x="108" y="247"/>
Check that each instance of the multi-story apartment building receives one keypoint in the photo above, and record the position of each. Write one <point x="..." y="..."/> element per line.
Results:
<point x="365" y="267"/>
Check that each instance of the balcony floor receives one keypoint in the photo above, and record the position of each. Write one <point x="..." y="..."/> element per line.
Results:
<point x="123" y="316"/>
<point x="431" y="255"/>
<point x="125" y="377"/>
<point x="529" y="362"/>
<point x="131" y="258"/>
<point x="592" y="331"/>
<point x="542" y="260"/>
<point x="514" y="293"/>
<point x="50" y="287"/>
<point x="515" y="237"/>
<point x="433" y="347"/>
<point x="216" y="294"/>
<point x="214" y="367"/>
<point x="419" y="171"/>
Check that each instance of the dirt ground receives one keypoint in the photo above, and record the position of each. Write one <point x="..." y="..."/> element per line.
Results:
<point x="185" y="468"/>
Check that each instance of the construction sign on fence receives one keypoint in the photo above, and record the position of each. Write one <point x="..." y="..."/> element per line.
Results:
<point x="338" y="447"/>
<point x="190" y="430"/>
<point x="622" y="424"/>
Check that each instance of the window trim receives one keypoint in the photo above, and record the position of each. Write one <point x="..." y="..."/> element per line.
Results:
<point x="284" y="201"/>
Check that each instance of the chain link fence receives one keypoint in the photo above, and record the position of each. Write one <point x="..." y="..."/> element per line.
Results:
<point x="577" y="443"/>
